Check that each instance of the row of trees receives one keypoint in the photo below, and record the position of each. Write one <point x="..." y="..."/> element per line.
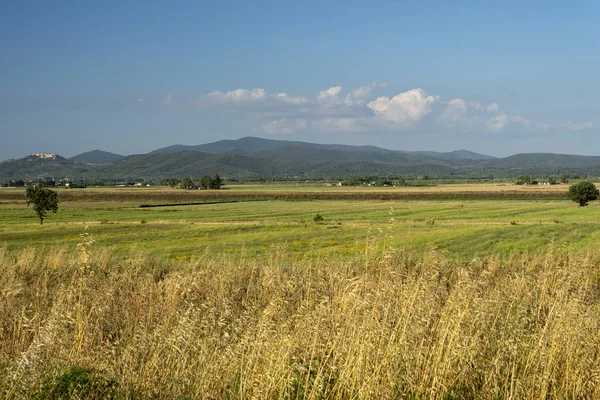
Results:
<point x="552" y="179"/>
<point x="205" y="182"/>
<point x="373" y="181"/>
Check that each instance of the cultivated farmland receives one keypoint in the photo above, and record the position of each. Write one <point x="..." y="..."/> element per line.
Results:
<point x="454" y="291"/>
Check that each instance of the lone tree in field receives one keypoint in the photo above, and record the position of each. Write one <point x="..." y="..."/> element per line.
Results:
<point x="43" y="200"/>
<point x="583" y="192"/>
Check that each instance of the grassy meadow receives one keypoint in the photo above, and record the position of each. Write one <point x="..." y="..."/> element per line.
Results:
<point x="242" y="294"/>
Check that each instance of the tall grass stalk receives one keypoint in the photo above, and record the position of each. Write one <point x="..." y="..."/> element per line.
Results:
<point x="400" y="324"/>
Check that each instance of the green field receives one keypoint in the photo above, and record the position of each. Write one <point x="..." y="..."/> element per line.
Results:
<point x="249" y="297"/>
<point x="462" y="228"/>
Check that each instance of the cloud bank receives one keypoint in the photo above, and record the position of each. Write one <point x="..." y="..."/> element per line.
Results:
<point x="334" y="111"/>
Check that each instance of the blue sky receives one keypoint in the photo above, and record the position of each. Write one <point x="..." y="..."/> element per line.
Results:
<point x="500" y="77"/>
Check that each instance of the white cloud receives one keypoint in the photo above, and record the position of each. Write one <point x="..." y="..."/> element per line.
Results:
<point x="409" y="106"/>
<point x="459" y="110"/>
<point x="357" y="97"/>
<point x="338" y="125"/>
<point x="295" y="100"/>
<point x="575" y="126"/>
<point x="329" y="96"/>
<point x="456" y="109"/>
<point x="239" y="95"/>
<point x="494" y="107"/>
<point x="255" y="97"/>
<point x="498" y="123"/>
<point x="361" y="92"/>
<point x="285" y="126"/>
<point x="332" y="110"/>
<point x="520" y="119"/>
<point x="465" y="116"/>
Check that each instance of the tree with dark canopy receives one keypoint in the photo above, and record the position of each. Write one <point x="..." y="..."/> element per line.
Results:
<point x="583" y="192"/>
<point x="43" y="200"/>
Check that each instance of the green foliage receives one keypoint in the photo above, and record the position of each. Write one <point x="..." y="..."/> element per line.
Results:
<point x="43" y="200"/>
<point x="172" y="182"/>
<point x="583" y="192"/>
<point x="216" y="182"/>
<point x="17" y="183"/>
<point x="552" y="179"/>
<point x="78" y="383"/>
<point x="524" y="180"/>
<point x="564" y="178"/>
<point x="206" y="182"/>
<point x="318" y="218"/>
<point x="371" y="180"/>
<point x="187" y="183"/>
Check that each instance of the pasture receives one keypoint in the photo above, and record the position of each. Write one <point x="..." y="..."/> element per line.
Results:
<point x="465" y="291"/>
<point x="466" y="225"/>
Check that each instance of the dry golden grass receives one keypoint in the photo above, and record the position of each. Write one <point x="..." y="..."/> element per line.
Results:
<point x="388" y="325"/>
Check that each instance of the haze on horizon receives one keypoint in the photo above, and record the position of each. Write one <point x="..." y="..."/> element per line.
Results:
<point x="497" y="79"/>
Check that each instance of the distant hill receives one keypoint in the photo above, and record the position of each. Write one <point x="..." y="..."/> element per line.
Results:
<point x="247" y="144"/>
<point x="354" y="154"/>
<point x="41" y="166"/>
<point x="97" y="157"/>
<point x="543" y="160"/>
<point x="194" y="163"/>
<point x="316" y="152"/>
<point x="252" y="158"/>
<point x="457" y="154"/>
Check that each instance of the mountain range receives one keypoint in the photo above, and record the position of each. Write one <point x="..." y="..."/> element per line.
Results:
<point x="253" y="158"/>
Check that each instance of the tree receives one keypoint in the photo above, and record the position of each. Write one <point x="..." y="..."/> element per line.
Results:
<point x="43" y="200"/>
<point x="205" y="182"/>
<point x="173" y="182"/>
<point x="583" y="192"/>
<point x="217" y="182"/>
<point x="187" y="183"/>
